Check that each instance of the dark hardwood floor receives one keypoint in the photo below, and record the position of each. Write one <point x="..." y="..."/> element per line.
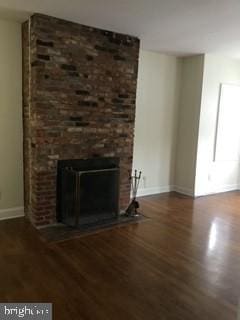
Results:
<point x="183" y="263"/>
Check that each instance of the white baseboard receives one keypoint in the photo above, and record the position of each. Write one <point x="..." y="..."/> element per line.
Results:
<point x="228" y="187"/>
<point x="11" y="213"/>
<point x="182" y="190"/>
<point x="150" y="191"/>
<point x="186" y="191"/>
<point x="221" y="189"/>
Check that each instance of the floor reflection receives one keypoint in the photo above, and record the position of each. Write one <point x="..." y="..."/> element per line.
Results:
<point x="213" y="234"/>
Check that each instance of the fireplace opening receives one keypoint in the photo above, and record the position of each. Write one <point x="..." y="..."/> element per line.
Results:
<point x="87" y="191"/>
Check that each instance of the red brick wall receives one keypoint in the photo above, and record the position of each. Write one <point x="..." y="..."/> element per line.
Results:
<point x="79" y="89"/>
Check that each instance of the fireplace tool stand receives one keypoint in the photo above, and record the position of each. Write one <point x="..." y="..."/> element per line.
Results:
<point x="132" y="209"/>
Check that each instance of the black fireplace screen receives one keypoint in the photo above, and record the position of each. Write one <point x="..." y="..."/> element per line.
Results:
<point x="88" y="190"/>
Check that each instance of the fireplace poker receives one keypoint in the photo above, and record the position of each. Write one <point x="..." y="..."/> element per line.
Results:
<point x="134" y="205"/>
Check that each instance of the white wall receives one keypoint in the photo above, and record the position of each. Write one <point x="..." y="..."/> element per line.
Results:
<point x="180" y="129"/>
<point x="189" y="112"/>
<point x="11" y="163"/>
<point x="214" y="176"/>
<point x="156" y="121"/>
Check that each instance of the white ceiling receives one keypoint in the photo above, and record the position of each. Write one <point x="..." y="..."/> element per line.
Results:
<point x="180" y="27"/>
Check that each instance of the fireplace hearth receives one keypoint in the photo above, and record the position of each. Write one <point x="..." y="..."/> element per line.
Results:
<point x="87" y="191"/>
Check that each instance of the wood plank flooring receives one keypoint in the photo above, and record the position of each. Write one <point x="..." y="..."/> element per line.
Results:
<point x="182" y="264"/>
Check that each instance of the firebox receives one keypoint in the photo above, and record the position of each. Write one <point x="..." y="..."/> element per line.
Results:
<point x="87" y="191"/>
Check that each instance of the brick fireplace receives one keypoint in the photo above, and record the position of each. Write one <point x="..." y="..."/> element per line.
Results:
<point x="79" y="90"/>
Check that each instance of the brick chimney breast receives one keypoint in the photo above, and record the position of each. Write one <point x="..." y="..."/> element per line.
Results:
<point x="79" y="93"/>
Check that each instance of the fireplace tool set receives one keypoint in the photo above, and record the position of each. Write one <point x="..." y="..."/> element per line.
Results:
<point x="132" y="209"/>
